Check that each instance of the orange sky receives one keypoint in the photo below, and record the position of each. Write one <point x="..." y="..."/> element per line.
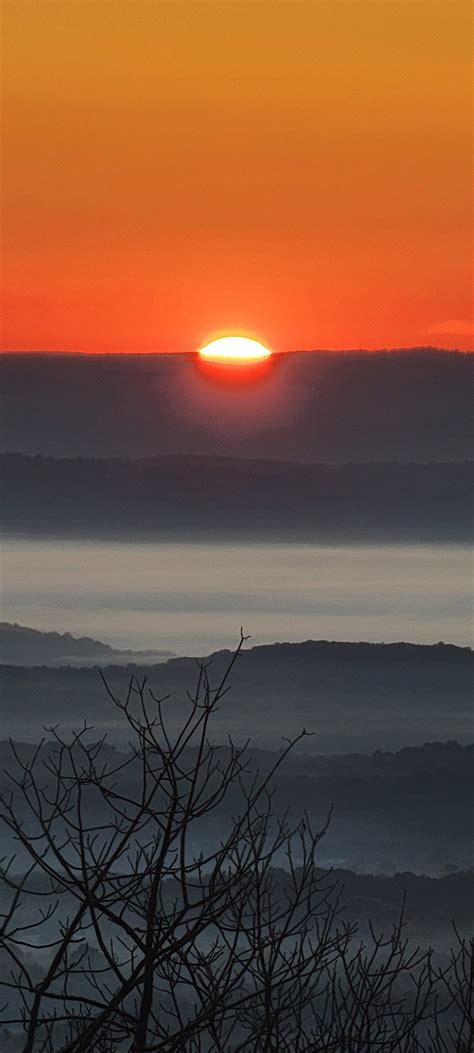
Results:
<point x="299" y="170"/>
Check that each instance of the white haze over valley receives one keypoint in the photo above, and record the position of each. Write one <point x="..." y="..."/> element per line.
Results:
<point x="193" y="598"/>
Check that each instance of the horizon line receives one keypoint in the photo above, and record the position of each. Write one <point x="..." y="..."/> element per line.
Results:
<point x="75" y="353"/>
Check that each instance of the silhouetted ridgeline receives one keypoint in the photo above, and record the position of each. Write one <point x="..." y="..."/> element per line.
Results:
<point x="20" y="645"/>
<point x="353" y="696"/>
<point x="192" y="496"/>
<point x="410" y="405"/>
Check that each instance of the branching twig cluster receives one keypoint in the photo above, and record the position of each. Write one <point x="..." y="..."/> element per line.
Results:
<point x="131" y="924"/>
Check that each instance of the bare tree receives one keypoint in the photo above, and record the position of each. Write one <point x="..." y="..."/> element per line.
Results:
<point x="137" y="920"/>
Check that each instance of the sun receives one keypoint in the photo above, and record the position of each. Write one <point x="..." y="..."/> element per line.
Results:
<point x="234" y="350"/>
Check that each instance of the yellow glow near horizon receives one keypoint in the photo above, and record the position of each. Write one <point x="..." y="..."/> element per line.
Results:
<point x="240" y="350"/>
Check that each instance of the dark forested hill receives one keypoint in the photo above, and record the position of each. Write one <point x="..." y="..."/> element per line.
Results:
<point x="185" y="497"/>
<point x="352" y="696"/>
<point x="20" y="645"/>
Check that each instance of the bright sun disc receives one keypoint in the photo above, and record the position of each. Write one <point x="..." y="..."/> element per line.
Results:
<point x="240" y="350"/>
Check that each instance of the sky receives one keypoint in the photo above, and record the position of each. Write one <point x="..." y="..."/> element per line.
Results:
<point x="173" y="169"/>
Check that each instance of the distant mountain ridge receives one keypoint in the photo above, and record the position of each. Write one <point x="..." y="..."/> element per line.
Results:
<point x="328" y="407"/>
<point x="178" y="496"/>
<point x="20" y="645"/>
